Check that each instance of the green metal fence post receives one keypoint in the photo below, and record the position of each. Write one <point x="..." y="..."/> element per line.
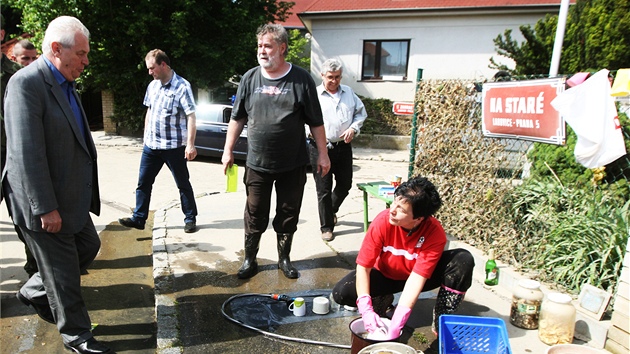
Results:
<point x="414" y="123"/>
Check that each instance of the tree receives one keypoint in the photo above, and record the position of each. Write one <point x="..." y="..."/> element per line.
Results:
<point x="299" y="50"/>
<point x="597" y="36"/>
<point x="208" y="41"/>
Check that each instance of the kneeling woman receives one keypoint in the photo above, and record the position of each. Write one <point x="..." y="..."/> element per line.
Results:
<point x="403" y="250"/>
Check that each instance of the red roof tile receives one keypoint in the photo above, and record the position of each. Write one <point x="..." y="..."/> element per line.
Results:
<point x="313" y="6"/>
<point x="353" y="5"/>
<point x="294" y="21"/>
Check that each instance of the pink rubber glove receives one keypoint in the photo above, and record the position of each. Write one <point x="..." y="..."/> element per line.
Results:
<point x="401" y="315"/>
<point x="371" y="321"/>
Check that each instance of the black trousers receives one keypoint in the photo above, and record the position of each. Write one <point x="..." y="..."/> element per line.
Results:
<point x="289" y="192"/>
<point x="328" y="199"/>
<point x="454" y="270"/>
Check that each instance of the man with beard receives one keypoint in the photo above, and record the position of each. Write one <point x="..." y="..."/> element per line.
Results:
<point x="275" y="100"/>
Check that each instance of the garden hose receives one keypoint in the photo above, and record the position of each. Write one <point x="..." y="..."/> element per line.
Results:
<point x="278" y="297"/>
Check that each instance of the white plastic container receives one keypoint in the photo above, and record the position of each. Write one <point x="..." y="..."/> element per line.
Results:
<point x="557" y="320"/>
<point x="526" y="301"/>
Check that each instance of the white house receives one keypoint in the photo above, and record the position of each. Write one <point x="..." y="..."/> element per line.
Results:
<point x="383" y="43"/>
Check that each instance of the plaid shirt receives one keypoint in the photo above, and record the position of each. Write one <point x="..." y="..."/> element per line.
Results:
<point x="169" y="105"/>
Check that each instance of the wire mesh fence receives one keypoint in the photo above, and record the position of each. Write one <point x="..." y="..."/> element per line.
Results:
<point x="477" y="176"/>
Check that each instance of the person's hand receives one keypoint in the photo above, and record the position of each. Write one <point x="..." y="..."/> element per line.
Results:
<point x="191" y="152"/>
<point x="227" y="160"/>
<point x="348" y="135"/>
<point x="51" y="222"/>
<point x="371" y="321"/>
<point x="401" y="315"/>
<point x="323" y="164"/>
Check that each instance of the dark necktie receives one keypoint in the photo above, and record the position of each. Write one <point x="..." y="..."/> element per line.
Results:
<point x="75" y="107"/>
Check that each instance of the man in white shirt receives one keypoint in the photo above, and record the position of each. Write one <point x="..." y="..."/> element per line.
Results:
<point x="344" y="114"/>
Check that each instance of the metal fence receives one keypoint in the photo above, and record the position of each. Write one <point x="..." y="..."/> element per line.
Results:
<point x="513" y="161"/>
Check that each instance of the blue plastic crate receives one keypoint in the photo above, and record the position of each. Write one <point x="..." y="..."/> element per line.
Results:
<point x="473" y="335"/>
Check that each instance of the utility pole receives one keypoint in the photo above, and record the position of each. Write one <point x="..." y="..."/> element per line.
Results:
<point x="557" y="45"/>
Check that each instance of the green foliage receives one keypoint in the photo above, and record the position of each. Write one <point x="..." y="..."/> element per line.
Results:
<point x="558" y="161"/>
<point x="382" y="120"/>
<point x="299" y="50"/>
<point x="207" y="41"/>
<point x="597" y="36"/>
<point x="532" y="57"/>
<point x="576" y="235"/>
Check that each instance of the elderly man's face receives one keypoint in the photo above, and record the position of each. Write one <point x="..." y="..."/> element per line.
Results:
<point x="270" y="52"/>
<point x="72" y="60"/>
<point x="23" y="56"/>
<point x="332" y="80"/>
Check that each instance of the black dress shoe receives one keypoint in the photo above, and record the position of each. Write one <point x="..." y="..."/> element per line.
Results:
<point x="89" y="346"/>
<point x="129" y="222"/>
<point x="43" y="311"/>
<point x="190" y="226"/>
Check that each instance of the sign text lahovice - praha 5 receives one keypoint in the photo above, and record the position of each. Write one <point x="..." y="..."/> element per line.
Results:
<point x="522" y="109"/>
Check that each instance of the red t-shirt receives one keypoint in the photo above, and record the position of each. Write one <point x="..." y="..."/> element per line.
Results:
<point x="388" y="248"/>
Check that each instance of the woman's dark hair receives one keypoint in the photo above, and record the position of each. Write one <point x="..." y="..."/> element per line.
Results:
<point x="421" y="194"/>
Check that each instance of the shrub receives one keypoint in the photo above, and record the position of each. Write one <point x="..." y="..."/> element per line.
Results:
<point x="574" y="235"/>
<point x="382" y="120"/>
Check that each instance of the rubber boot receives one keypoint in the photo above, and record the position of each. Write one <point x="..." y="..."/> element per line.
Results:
<point x="250" y="265"/>
<point x="284" y="262"/>
<point x="447" y="302"/>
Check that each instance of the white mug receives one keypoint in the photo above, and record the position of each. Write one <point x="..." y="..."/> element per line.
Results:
<point x="321" y="305"/>
<point x="298" y="307"/>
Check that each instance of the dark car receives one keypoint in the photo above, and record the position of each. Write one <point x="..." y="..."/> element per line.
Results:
<point x="212" y="125"/>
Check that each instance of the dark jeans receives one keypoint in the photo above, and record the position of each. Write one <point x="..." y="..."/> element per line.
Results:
<point x="454" y="270"/>
<point x="150" y="165"/>
<point x="289" y="192"/>
<point x="328" y="199"/>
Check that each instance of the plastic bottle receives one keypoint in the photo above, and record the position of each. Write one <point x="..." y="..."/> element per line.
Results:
<point x="557" y="319"/>
<point x="526" y="301"/>
<point x="492" y="271"/>
<point x="334" y="307"/>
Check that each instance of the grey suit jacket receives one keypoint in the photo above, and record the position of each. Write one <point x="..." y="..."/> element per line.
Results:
<point x="50" y="164"/>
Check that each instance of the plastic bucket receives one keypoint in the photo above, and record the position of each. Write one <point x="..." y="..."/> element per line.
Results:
<point x="390" y="348"/>
<point x="358" y="331"/>
<point x="571" y="349"/>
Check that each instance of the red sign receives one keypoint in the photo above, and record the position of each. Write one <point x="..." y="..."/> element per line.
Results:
<point x="522" y="110"/>
<point x="403" y="108"/>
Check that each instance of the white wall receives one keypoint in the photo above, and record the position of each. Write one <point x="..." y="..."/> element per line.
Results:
<point x="445" y="47"/>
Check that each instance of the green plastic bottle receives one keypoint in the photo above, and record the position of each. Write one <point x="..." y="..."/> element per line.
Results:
<point x="492" y="271"/>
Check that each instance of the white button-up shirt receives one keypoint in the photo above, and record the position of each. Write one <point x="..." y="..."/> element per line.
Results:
<point x="341" y="111"/>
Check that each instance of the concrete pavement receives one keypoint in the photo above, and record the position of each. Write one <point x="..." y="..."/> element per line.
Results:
<point x="194" y="274"/>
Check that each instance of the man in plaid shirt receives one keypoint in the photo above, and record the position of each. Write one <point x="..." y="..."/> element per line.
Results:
<point x="169" y="138"/>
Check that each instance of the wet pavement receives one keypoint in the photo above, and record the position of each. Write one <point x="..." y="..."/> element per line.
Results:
<point x="162" y="290"/>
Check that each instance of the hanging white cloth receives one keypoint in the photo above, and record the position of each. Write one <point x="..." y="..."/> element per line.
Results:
<point x="591" y="112"/>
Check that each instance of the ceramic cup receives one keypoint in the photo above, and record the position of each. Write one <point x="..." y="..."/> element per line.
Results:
<point x="321" y="305"/>
<point x="298" y="307"/>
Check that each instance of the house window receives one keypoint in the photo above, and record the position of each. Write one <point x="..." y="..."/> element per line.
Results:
<point x="385" y="60"/>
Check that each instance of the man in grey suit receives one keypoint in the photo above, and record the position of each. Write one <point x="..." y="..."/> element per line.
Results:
<point x="51" y="181"/>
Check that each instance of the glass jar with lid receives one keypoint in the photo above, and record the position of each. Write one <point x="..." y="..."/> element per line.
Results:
<point x="557" y="319"/>
<point x="526" y="302"/>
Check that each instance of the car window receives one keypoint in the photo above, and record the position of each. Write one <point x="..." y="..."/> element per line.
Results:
<point x="211" y="113"/>
<point x="226" y="115"/>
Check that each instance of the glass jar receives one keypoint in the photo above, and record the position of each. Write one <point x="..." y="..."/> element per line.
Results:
<point x="557" y="319"/>
<point x="526" y="301"/>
